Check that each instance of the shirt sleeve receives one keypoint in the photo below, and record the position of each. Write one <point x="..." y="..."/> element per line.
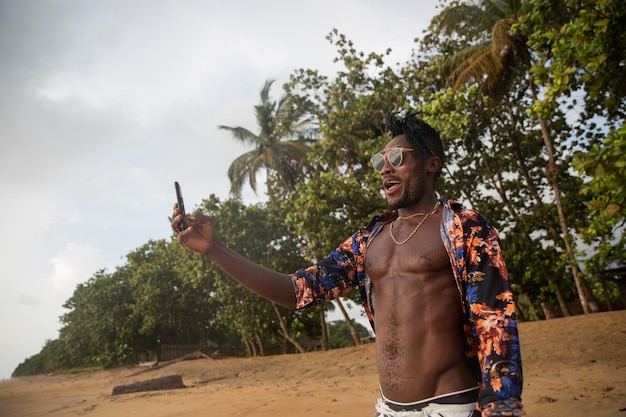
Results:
<point x="493" y="317"/>
<point x="330" y="278"/>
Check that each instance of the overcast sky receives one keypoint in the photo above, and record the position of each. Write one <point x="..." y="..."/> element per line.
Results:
<point x="104" y="104"/>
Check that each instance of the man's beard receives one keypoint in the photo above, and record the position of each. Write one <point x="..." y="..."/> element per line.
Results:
<point x="410" y="196"/>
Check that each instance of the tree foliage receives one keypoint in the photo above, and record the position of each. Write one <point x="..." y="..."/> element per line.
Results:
<point x="341" y="190"/>
<point x="340" y="333"/>
<point x="605" y="190"/>
<point x="526" y="74"/>
<point x="258" y="233"/>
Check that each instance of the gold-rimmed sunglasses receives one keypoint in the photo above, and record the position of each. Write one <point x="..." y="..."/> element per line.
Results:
<point x="393" y="155"/>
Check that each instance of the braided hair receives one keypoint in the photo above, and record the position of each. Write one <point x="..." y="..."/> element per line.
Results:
<point x="422" y="137"/>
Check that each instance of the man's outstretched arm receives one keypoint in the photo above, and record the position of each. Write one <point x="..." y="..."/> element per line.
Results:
<point x="199" y="236"/>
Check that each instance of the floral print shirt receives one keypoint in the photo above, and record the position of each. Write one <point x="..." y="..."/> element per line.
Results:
<point x="490" y="325"/>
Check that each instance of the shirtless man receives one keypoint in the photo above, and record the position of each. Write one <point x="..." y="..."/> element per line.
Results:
<point x="446" y="332"/>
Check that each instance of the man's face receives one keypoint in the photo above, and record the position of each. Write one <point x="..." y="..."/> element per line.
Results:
<point x="404" y="185"/>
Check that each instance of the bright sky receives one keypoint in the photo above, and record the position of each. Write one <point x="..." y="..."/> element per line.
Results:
<point x="105" y="104"/>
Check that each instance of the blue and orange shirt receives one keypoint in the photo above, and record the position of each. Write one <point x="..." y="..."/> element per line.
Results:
<point x="489" y="319"/>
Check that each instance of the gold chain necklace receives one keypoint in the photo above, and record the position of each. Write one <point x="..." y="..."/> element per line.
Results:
<point x="433" y="211"/>
<point x="410" y="216"/>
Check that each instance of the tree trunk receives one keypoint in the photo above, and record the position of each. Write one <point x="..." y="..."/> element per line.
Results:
<point x="548" y="311"/>
<point x="250" y="347"/>
<point x="496" y="182"/>
<point x="259" y="343"/>
<point x="533" y="309"/>
<point x="325" y="336"/>
<point x="562" y="303"/>
<point x="519" y="156"/>
<point x="552" y="176"/>
<point x="285" y="334"/>
<point x="355" y="335"/>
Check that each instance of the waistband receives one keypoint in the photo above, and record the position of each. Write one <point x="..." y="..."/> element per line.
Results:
<point x="466" y="396"/>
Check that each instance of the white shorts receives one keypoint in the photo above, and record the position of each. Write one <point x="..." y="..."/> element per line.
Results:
<point x="428" y="407"/>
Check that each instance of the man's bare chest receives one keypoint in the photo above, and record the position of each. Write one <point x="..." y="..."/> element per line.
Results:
<point x="423" y="253"/>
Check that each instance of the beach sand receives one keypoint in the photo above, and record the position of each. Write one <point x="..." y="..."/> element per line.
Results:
<point x="573" y="367"/>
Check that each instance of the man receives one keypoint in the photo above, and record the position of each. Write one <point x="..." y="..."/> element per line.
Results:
<point x="446" y="331"/>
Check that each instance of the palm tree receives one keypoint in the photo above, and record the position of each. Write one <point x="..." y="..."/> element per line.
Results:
<point x="277" y="122"/>
<point x="491" y="61"/>
<point x="279" y="147"/>
<point x="491" y="64"/>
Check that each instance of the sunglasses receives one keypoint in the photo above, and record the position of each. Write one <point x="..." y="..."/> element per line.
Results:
<point x="393" y="155"/>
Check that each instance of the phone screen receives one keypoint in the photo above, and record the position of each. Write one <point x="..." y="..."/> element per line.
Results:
<point x="181" y="206"/>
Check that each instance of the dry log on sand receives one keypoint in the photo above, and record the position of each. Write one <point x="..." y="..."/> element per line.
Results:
<point x="163" y="383"/>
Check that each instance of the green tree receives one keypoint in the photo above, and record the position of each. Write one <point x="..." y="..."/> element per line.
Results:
<point x="582" y="46"/>
<point x="279" y="146"/>
<point x="52" y="358"/>
<point x="494" y="62"/>
<point x="494" y="50"/>
<point x="605" y="166"/>
<point x="172" y="295"/>
<point x="341" y="336"/>
<point x="99" y="328"/>
<point x="341" y="191"/>
<point x="259" y="234"/>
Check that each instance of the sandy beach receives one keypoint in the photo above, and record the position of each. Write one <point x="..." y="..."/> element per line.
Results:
<point x="573" y="367"/>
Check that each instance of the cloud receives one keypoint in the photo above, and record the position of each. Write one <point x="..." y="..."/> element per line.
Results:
<point x="27" y="300"/>
<point x="76" y="263"/>
<point x="105" y="104"/>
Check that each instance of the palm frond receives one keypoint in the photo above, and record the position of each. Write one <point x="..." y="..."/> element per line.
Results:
<point x="454" y="67"/>
<point x="238" y="172"/>
<point x="273" y="151"/>
<point x="265" y="91"/>
<point x="461" y="16"/>
<point x="483" y="69"/>
<point x="241" y="134"/>
<point x="489" y="62"/>
<point x="502" y="36"/>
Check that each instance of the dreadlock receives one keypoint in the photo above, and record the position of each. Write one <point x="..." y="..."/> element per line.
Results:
<point x="421" y="135"/>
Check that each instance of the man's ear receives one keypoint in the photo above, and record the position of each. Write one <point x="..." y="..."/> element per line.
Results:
<point x="433" y="164"/>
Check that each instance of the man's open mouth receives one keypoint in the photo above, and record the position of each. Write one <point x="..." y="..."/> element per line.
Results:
<point x="391" y="185"/>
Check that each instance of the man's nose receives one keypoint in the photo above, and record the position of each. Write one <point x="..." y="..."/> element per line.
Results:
<point x="387" y="167"/>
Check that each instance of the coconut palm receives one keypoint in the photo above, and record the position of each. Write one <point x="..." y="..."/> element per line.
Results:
<point x="279" y="147"/>
<point x="492" y="60"/>
<point x="491" y="63"/>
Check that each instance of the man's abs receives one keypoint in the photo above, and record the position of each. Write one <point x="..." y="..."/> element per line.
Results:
<point x="420" y="343"/>
<point x="420" y="346"/>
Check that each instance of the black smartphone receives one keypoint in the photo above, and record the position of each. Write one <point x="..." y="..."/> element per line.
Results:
<point x="181" y="206"/>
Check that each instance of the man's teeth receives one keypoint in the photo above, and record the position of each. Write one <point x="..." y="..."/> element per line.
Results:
<point x="390" y="184"/>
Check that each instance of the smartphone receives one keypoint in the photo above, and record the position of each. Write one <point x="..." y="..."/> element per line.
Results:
<point x="181" y="206"/>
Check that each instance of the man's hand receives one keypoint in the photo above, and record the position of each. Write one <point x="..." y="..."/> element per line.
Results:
<point x="199" y="235"/>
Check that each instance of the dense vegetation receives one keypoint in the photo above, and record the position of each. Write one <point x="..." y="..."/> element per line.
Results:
<point x="529" y="99"/>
